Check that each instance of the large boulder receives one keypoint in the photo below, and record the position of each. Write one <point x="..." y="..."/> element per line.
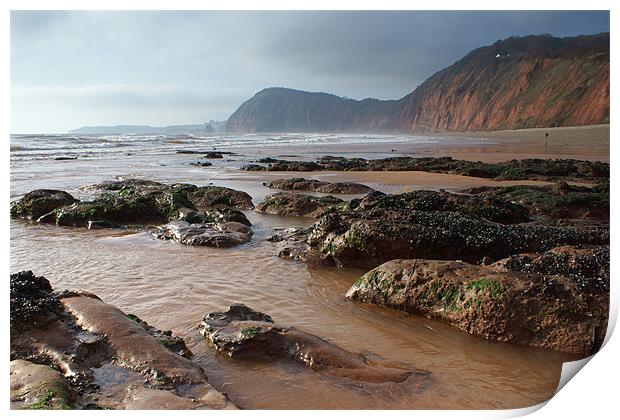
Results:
<point x="564" y="307"/>
<point x="242" y="332"/>
<point x="292" y="204"/>
<point x="39" y="202"/>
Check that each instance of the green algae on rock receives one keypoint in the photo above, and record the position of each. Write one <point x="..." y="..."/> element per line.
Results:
<point x="564" y="310"/>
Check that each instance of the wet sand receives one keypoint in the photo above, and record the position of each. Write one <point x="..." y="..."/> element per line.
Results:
<point x="583" y="143"/>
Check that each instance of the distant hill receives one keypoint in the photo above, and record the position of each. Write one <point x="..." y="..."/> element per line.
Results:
<point x="281" y="110"/>
<point x="193" y="129"/>
<point x="519" y="82"/>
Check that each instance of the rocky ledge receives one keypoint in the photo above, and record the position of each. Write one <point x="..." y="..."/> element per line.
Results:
<point x="558" y="201"/>
<point x="293" y="204"/>
<point x="242" y="332"/>
<point x="71" y="350"/>
<point x="557" y="299"/>
<point x="538" y="169"/>
<point x="302" y="184"/>
<point x="436" y="225"/>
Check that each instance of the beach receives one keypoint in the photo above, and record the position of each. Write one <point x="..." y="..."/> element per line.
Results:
<point x="173" y="285"/>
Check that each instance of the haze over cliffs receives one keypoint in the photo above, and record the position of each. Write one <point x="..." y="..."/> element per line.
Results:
<point x="519" y="82"/>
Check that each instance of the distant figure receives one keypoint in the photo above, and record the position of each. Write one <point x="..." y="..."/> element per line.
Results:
<point x="546" y="135"/>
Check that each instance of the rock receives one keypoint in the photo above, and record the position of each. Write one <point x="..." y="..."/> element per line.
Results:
<point x="213" y="155"/>
<point x="291" y="243"/>
<point x="291" y="204"/>
<point x="124" y="184"/>
<point x="66" y="158"/>
<point x="212" y="196"/>
<point x="127" y="202"/>
<point x="490" y="208"/>
<point x="560" y="200"/>
<point x="377" y="229"/>
<point x="284" y="165"/>
<point x="441" y="235"/>
<point x="38" y="387"/>
<point x="242" y="332"/>
<point x="107" y="359"/>
<point x="39" y="202"/>
<point x="202" y="164"/>
<point x="221" y="215"/>
<point x="220" y="235"/>
<point x="32" y="302"/>
<point x="587" y="267"/>
<point x="303" y="184"/>
<point x="549" y="311"/>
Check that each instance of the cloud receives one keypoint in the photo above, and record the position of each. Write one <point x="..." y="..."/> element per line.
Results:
<point x="75" y="68"/>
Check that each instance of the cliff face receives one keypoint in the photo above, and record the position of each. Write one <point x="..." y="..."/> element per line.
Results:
<point x="533" y="81"/>
<point x="289" y="110"/>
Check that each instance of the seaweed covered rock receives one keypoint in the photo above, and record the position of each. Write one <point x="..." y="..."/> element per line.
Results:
<point x="587" y="267"/>
<point x="242" y="332"/>
<point x="284" y="165"/>
<point x="213" y="196"/>
<point x="513" y="169"/>
<point x="557" y="201"/>
<point x="39" y="202"/>
<point x="292" y="204"/>
<point x="99" y="357"/>
<point x="137" y="202"/>
<point x="366" y="238"/>
<point x="303" y="184"/>
<point x="33" y="304"/>
<point x="491" y="208"/>
<point x="555" y="311"/>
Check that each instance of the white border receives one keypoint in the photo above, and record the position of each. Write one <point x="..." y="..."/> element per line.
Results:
<point x="591" y="395"/>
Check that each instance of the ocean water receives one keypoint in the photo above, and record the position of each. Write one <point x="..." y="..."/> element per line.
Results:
<point x="37" y="146"/>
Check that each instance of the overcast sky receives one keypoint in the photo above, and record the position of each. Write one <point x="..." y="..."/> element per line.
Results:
<point x="71" y="69"/>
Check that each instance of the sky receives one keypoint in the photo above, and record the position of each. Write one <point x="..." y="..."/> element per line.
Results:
<point x="73" y="69"/>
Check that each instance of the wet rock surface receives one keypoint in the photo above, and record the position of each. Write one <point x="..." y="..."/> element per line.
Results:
<point x="557" y="201"/>
<point x="38" y="387"/>
<point x="219" y="235"/>
<point x="104" y="358"/>
<point x="303" y="184"/>
<point x="242" y="332"/>
<point x="222" y="228"/>
<point x="293" y="204"/>
<point x="39" y="202"/>
<point x="380" y="228"/>
<point x="542" y="169"/>
<point x="127" y="202"/>
<point x="536" y="300"/>
<point x="291" y="243"/>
